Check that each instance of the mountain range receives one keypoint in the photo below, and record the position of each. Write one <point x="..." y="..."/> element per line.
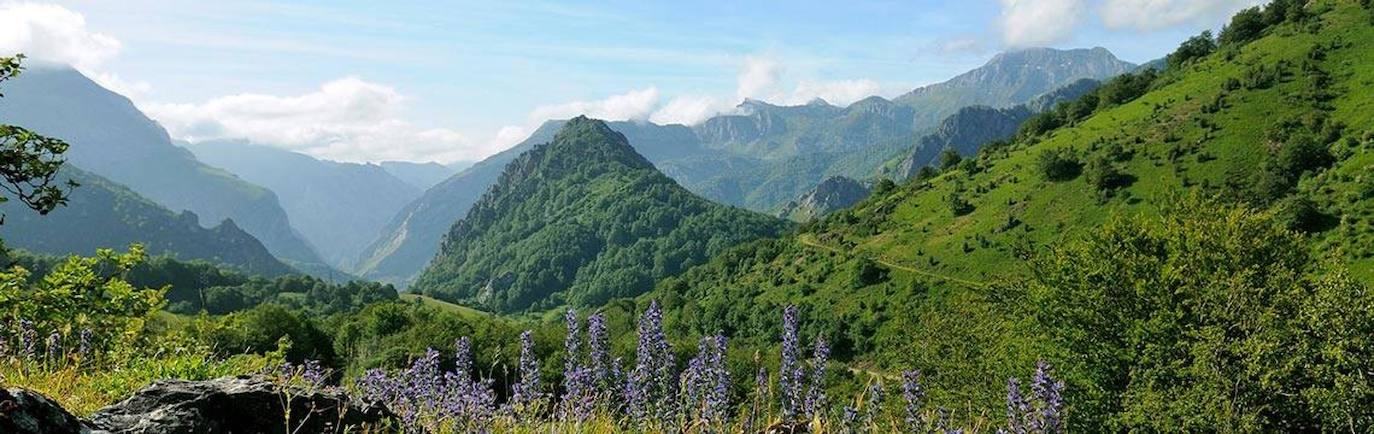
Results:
<point x="113" y="139"/>
<point x="759" y="158"/>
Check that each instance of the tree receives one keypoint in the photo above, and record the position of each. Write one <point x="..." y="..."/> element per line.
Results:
<point x="1205" y="318"/>
<point x="1195" y="47"/>
<point x="29" y="162"/>
<point x="949" y="158"/>
<point x="1246" y="26"/>
<point x="1058" y="165"/>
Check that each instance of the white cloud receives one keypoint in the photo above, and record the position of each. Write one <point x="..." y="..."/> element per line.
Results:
<point x="632" y="105"/>
<point x="689" y="110"/>
<point x="1155" y="14"/>
<point x="757" y="78"/>
<point x="51" y="33"/>
<point x="1028" y="23"/>
<point x="345" y="120"/>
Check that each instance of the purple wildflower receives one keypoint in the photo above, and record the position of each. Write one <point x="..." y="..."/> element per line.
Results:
<point x="54" y="345"/>
<point x="84" y="347"/>
<point x="912" y="394"/>
<point x="462" y="365"/>
<point x="599" y="352"/>
<point x="815" y="397"/>
<point x="651" y="387"/>
<point x="527" y="390"/>
<point x="28" y="339"/>
<point x="1017" y="407"/>
<point x="875" y="402"/>
<point x="313" y="374"/>
<point x="850" y="420"/>
<point x="718" y="398"/>
<point x="790" y="372"/>
<point x="1049" y="394"/>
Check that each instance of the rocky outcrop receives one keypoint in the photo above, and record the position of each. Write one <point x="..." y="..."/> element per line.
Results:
<point x="234" y="405"/>
<point x="28" y="412"/>
<point x="226" y="405"/>
<point x="833" y="194"/>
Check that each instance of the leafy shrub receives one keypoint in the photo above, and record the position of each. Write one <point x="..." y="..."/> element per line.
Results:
<point x="1104" y="176"/>
<point x="958" y="205"/>
<point x="1058" y="165"/>
<point x="1300" y="214"/>
<point x="1303" y="152"/>
<point x="1262" y="76"/>
<point x="1206" y="318"/>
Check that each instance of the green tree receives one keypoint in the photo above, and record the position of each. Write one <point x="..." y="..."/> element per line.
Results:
<point x="82" y="293"/>
<point x="949" y="159"/>
<point x="1206" y="319"/>
<point x="1245" y="26"/>
<point x="29" y="162"/>
<point x="1058" y="165"/>
<point x="1195" y="47"/>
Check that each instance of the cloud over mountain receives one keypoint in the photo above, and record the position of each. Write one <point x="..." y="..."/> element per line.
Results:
<point x="348" y="119"/>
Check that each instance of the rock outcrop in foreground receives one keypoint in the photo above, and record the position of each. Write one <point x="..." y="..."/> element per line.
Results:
<point x="225" y="405"/>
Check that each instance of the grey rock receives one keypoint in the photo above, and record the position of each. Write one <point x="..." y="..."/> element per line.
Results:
<point x="27" y="412"/>
<point x="235" y="405"/>
<point x="833" y="194"/>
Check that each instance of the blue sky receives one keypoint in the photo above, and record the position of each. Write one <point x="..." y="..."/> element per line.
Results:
<point x="370" y="81"/>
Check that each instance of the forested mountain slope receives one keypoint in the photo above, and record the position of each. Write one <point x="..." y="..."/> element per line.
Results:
<point x="111" y="138"/>
<point x="580" y="220"/>
<point x="102" y="214"/>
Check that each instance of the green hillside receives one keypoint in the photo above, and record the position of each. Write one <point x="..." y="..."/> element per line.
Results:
<point x="103" y="214"/>
<point x="580" y="220"/>
<point x="931" y="274"/>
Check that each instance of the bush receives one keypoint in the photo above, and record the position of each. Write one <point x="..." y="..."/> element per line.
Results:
<point x="1300" y="214"/>
<point x="1262" y="76"/>
<point x="1058" y="165"/>
<point x="958" y="205"/>
<point x="1105" y="177"/>
<point x="1303" y="152"/>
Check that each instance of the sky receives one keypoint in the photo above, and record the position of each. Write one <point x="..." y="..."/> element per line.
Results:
<point x="459" y="80"/>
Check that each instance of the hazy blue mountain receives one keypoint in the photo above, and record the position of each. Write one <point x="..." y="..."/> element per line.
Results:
<point x="339" y="207"/>
<point x="111" y="138"/>
<point x="103" y="214"/>
<point x="581" y="220"/>
<point x="1009" y="79"/>
<point x="423" y="175"/>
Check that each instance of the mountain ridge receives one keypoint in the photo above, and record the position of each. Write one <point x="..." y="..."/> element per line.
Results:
<point x="580" y="220"/>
